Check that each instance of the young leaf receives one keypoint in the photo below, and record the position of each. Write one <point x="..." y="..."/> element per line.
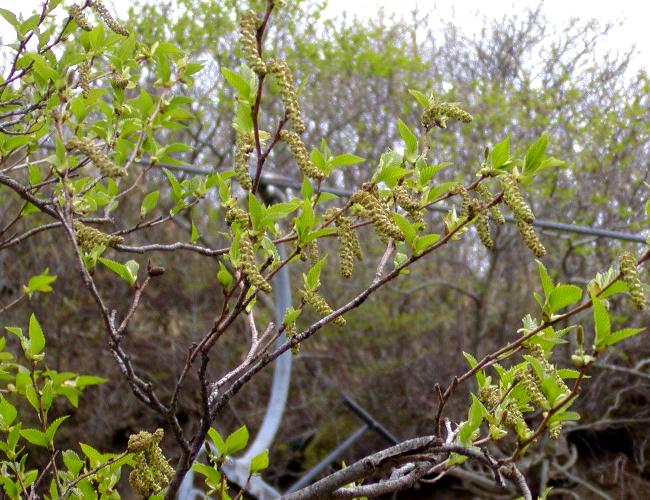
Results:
<point x="122" y="270"/>
<point x="36" y="337"/>
<point x="410" y="140"/>
<point x="237" y="440"/>
<point x="217" y="440"/>
<point x="619" y="335"/>
<point x="259" y="462"/>
<point x="547" y="282"/>
<point x="345" y="160"/>
<point x="563" y="296"/>
<point x="312" y="278"/>
<point x="149" y="203"/>
<point x="239" y="83"/>
<point x="534" y="154"/>
<point x="40" y="283"/>
<point x="601" y="322"/>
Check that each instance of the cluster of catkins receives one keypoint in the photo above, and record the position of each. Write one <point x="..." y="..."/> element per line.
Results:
<point x="99" y="159"/>
<point x="492" y="396"/>
<point x="378" y="211"/>
<point x="249" y="266"/>
<point x="349" y="246"/>
<point x="236" y="215"/>
<point x="151" y="472"/>
<point x="291" y="330"/>
<point x="523" y="214"/>
<point x="475" y="210"/>
<point x="88" y="237"/>
<point x="631" y="278"/>
<point x="245" y="145"/>
<point x="320" y="305"/>
<point x="76" y="13"/>
<point x="288" y="91"/>
<point x="436" y="114"/>
<point x="409" y="203"/>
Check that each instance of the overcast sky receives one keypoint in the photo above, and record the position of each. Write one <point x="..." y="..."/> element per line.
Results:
<point x="635" y="14"/>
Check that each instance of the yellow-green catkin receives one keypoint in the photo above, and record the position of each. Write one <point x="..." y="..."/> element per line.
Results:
<point x="349" y="246"/>
<point x="513" y="198"/>
<point x="299" y="153"/>
<point x="248" y="25"/>
<point x="88" y="237"/>
<point x="530" y="238"/>
<point x="245" y="145"/>
<point x="151" y="471"/>
<point x="483" y="230"/>
<point x="84" y="78"/>
<point x="438" y="112"/>
<point x="491" y="396"/>
<point x="119" y="81"/>
<point x="487" y="197"/>
<point x="99" y="159"/>
<point x="291" y="330"/>
<point x="631" y="278"/>
<point x="379" y="213"/>
<point x="112" y="24"/>
<point x="77" y="14"/>
<point x="249" y="266"/>
<point x="554" y="430"/>
<point x="532" y="387"/>
<point x="320" y="305"/>
<point x="409" y="203"/>
<point x="537" y="351"/>
<point x="310" y="251"/>
<point x="288" y="92"/>
<point x="236" y="215"/>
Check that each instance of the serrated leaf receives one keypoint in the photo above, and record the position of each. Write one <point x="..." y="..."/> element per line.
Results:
<point x="36" y="336"/>
<point x="534" y="154"/>
<point x="177" y="190"/>
<point x="547" y="282"/>
<point x="53" y="427"/>
<point x="345" y="160"/>
<point x="419" y="97"/>
<point x="194" y="232"/>
<point x="217" y="440"/>
<point x="8" y="413"/>
<point x="212" y="475"/>
<point x="499" y="154"/>
<point x="40" y="283"/>
<point x="563" y="296"/>
<point x="619" y="335"/>
<point x="409" y="230"/>
<point x="35" y="436"/>
<point x="423" y="243"/>
<point x="410" y="140"/>
<point x="601" y="322"/>
<point x="391" y="174"/>
<point x="312" y="278"/>
<point x="122" y="270"/>
<point x="238" y="82"/>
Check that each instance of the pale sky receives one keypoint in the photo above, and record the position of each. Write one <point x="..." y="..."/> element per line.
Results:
<point x="633" y="13"/>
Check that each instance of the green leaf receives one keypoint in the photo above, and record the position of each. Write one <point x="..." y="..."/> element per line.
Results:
<point x="391" y="174"/>
<point x="237" y="440"/>
<point x="212" y="475"/>
<point x="619" y="335"/>
<point x="423" y="243"/>
<point x="149" y="203"/>
<point x="563" y="296"/>
<point x="410" y="140"/>
<point x="409" y="230"/>
<point x="36" y="336"/>
<point x="259" y="462"/>
<point x="194" y="233"/>
<point x="419" y="97"/>
<point x="499" y="154"/>
<point x="312" y="278"/>
<point x="35" y="436"/>
<point x="42" y="67"/>
<point x="40" y="283"/>
<point x="256" y="211"/>
<point x="8" y="414"/>
<point x="93" y="455"/>
<point x="534" y="154"/>
<point x="53" y="427"/>
<point x="345" y="160"/>
<point x="224" y="276"/>
<point x="601" y="322"/>
<point x="72" y="461"/>
<point x="217" y="440"/>
<point x="547" y="282"/>
<point x="618" y="286"/>
<point x="238" y="82"/>
<point x="124" y="271"/>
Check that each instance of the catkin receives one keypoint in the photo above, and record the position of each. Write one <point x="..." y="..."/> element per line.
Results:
<point x="531" y="239"/>
<point x="483" y="230"/>
<point x="99" y="159"/>
<point x="84" y="78"/>
<point x="513" y="198"/>
<point x="288" y="92"/>
<point x="248" y="25"/>
<point x="88" y="237"/>
<point x="245" y="145"/>
<point x="487" y="197"/>
<point x="299" y="153"/>
<point x="238" y="216"/>
<point x="320" y="305"/>
<point x="77" y="14"/>
<point x="112" y="24"/>
<point x="537" y="351"/>
<point x="532" y="387"/>
<point x="151" y="471"/>
<point x="379" y="213"/>
<point x="249" y="266"/>
<point x="438" y="112"/>
<point x="349" y="246"/>
<point x="631" y="278"/>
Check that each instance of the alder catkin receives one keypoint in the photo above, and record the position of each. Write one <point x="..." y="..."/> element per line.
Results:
<point x="379" y="213"/>
<point x="99" y="159"/>
<point x="513" y="198"/>
<point x="244" y="147"/>
<point x="299" y="153"/>
<point x="80" y="18"/>
<point x="88" y="237"/>
<point x="249" y="266"/>
<point x="151" y="470"/>
<point x="631" y="278"/>
<point x="487" y="197"/>
<point x="289" y="95"/>
<point x="320" y="305"/>
<point x="438" y="112"/>
<point x="248" y="25"/>
<point x="530" y="237"/>
<point x="112" y="24"/>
